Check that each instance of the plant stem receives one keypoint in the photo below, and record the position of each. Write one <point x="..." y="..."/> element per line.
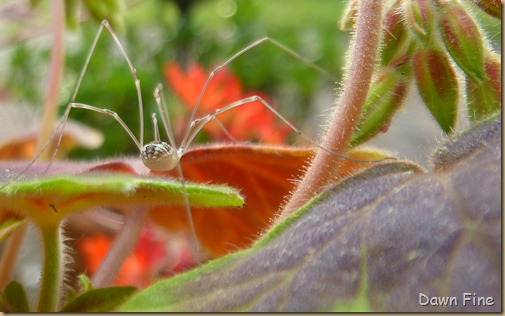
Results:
<point x="358" y="75"/>
<point x="10" y="253"/>
<point x="123" y="245"/>
<point x="55" y="74"/>
<point x="51" y="273"/>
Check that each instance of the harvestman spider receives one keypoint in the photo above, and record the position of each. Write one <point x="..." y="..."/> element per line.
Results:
<point x="159" y="155"/>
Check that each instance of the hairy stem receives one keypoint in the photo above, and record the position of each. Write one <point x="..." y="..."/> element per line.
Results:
<point x="358" y="76"/>
<point x="51" y="274"/>
<point x="123" y="245"/>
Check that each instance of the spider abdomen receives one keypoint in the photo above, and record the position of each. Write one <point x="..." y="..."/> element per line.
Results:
<point x="159" y="156"/>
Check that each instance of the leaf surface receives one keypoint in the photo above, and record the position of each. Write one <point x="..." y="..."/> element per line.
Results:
<point x="48" y="198"/>
<point x="99" y="300"/>
<point x="263" y="174"/>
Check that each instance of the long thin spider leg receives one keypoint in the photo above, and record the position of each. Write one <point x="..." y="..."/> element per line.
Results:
<point x="139" y="142"/>
<point x="61" y="126"/>
<point x="165" y="118"/>
<point x="105" y="24"/>
<point x="160" y="102"/>
<point x="197" y="125"/>
<point x="189" y="215"/>
<point x="155" y="127"/>
<point x="135" y="77"/>
<point x="223" y="128"/>
<point x="110" y="113"/>
<point x="64" y="119"/>
<point x="242" y="51"/>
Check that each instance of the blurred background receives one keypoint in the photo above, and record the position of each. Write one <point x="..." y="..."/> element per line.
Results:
<point x="156" y="33"/>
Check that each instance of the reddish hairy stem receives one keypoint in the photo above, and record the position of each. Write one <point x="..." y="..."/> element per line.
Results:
<point x="358" y="76"/>
<point x="55" y="74"/>
<point x="125" y="243"/>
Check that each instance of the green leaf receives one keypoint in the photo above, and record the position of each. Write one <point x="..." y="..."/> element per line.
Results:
<point x="15" y="299"/>
<point x="99" y="300"/>
<point x="85" y="282"/>
<point x="374" y="241"/>
<point x="46" y="200"/>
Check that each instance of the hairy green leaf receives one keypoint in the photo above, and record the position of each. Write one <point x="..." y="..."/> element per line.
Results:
<point x="47" y="199"/>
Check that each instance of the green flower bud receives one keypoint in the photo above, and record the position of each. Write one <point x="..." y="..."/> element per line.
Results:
<point x="463" y="40"/>
<point x="387" y="93"/>
<point x="438" y="86"/>
<point x="484" y="98"/>
<point x="419" y="16"/>
<point x="396" y="39"/>
<point x="492" y="7"/>
<point x="493" y="72"/>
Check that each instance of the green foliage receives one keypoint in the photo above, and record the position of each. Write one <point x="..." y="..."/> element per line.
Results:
<point x="99" y="300"/>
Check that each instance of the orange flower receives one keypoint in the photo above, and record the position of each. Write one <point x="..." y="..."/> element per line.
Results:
<point x="153" y="256"/>
<point x="252" y="121"/>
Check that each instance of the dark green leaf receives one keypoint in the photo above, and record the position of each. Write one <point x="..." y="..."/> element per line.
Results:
<point x="15" y="299"/>
<point x="372" y="242"/>
<point x="99" y="300"/>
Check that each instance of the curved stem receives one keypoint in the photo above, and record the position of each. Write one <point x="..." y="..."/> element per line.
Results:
<point x="123" y="245"/>
<point x="358" y="76"/>
<point x="10" y="254"/>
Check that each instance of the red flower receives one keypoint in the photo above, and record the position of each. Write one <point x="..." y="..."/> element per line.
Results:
<point x="251" y="121"/>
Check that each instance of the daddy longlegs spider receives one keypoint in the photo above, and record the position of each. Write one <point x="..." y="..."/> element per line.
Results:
<point x="159" y="155"/>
